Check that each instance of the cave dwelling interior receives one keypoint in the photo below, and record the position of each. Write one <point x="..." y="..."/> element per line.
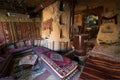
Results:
<point x="59" y="40"/>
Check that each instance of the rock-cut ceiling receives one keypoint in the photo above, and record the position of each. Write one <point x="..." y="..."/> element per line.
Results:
<point x="24" y="6"/>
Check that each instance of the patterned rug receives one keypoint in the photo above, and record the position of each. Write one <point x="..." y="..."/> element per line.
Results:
<point x="5" y="56"/>
<point x="39" y="71"/>
<point x="7" y="61"/>
<point x="46" y="75"/>
<point x="99" y="68"/>
<point x="59" y="65"/>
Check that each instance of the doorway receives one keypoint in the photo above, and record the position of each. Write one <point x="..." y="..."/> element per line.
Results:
<point x="91" y="25"/>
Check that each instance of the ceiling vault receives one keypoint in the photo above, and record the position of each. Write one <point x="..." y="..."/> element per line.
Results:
<point x="44" y="4"/>
<point x="31" y="7"/>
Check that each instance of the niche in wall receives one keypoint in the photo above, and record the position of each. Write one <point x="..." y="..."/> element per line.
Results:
<point x="61" y="6"/>
<point x="112" y="19"/>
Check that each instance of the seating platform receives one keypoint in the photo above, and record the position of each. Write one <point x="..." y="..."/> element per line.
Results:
<point x="58" y="66"/>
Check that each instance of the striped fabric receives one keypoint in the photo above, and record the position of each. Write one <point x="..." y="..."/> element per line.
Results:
<point x="98" y="67"/>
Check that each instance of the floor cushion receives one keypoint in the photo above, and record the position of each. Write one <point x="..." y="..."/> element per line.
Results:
<point x="60" y="65"/>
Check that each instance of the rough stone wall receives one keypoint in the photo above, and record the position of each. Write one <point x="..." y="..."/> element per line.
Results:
<point x="108" y="33"/>
<point x="60" y="23"/>
<point x="118" y="11"/>
<point x="110" y="8"/>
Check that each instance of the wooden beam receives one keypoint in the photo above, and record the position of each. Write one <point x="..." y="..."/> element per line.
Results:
<point x="44" y="4"/>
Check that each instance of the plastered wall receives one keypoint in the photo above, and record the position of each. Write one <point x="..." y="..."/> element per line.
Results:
<point x="110" y="9"/>
<point x="59" y="30"/>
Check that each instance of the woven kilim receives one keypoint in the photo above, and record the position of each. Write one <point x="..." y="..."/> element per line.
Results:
<point x="98" y="67"/>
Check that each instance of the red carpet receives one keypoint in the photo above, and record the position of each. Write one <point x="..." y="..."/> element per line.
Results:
<point x="100" y="68"/>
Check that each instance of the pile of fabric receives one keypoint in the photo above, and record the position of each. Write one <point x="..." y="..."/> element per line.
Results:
<point x="60" y="66"/>
<point x="107" y="51"/>
<point x="103" y="63"/>
<point x="49" y="65"/>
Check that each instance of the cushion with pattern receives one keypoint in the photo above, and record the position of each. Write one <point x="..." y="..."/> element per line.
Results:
<point x="61" y="65"/>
